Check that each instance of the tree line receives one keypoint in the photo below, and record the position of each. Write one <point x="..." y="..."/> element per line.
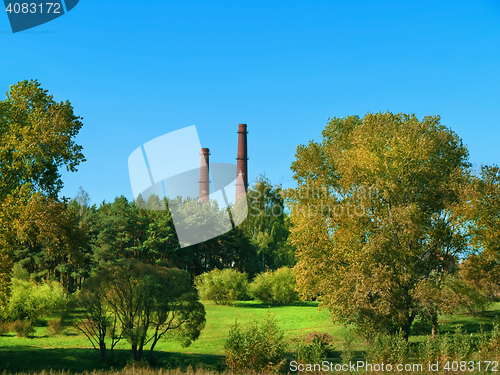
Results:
<point x="67" y="240"/>
<point x="388" y="224"/>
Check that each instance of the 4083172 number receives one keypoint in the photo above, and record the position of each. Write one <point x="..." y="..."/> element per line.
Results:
<point x="15" y="7"/>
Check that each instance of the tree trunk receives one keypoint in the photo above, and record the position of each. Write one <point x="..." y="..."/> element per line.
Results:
<point x="139" y="352"/>
<point x="153" y="344"/>
<point x="102" y="350"/>
<point x="407" y="327"/>
<point x="134" y="352"/>
<point x="434" y="322"/>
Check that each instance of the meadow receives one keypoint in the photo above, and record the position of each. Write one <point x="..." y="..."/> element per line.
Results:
<point x="70" y="350"/>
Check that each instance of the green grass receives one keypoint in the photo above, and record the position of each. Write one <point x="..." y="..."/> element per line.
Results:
<point x="72" y="350"/>
<point x="295" y="320"/>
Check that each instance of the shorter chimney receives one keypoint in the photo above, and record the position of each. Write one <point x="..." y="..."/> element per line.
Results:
<point x="204" y="176"/>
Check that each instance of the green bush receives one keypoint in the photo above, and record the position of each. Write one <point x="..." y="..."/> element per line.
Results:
<point x="489" y="344"/>
<point x="4" y="328"/>
<point x="429" y="349"/>
<point x="277" y="288"/>
<point x="347" y="353"/>
<point x="456" y="346"/>
<point x="222" y="287"/>
<point x="55" y="326"/>
<point x="314" y="347"/>
<point x="388" y="349"/>
<point x="259" y="348"/>
<point x="32" y="301"/>
<point x="462" y="344"/>
<point x="23" y="328"/>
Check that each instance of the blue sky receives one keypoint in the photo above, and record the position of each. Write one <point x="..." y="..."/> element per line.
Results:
<point x="135" y="70"/>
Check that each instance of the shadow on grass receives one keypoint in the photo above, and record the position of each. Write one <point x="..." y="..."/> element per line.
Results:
<point x="30" y="359"/>
<point x="471" y="323"/>
<point x="258" y="305"/>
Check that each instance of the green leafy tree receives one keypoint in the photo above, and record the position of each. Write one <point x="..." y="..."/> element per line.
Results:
<point x="86" y="217"/>
<point x="125" y="231"/>
<point x="375" y="214"/>
<point x="267" y="225"/>
<point x="231" y="249"/>
<point x="98" y="318"/>
<point x="51" y="241"/>
<point x="150" y="302"/>
<point x="36" y="139"/>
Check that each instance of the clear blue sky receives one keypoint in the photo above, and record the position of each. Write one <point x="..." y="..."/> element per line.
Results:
<point x="136" y="70"/>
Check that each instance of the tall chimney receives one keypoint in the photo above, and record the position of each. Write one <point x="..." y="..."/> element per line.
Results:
<point x="241" y="165"/>
<point x="204" y="176"/>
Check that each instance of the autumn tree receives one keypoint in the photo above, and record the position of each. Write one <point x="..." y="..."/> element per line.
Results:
<point x="36" y="140"/>
<point x="482" y="268"/>
<point x="375" y="218"/>
<point x="52" y="241"/>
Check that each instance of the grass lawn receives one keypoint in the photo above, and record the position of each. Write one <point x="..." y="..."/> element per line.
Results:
<point x="72" y="350"/>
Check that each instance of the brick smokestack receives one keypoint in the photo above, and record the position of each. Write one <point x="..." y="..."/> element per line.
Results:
<point x="242" y="164"/>
<point x="204" y="176"/>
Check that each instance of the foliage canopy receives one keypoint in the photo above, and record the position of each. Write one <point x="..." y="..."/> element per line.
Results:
<point x="375" y="218"/>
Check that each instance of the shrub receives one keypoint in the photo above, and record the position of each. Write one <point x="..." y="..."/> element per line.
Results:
<point x="222" y="287"/>
<point x="429" y="349"/>
<point x="462" y="344"/>
<point x="257" y="348"/>
<point x="313" y="347"/>
<point x="456" y="346"/>
<point x="4" y="328"/>
<point x="31" y="301"/>
<point x="143" y="364"/>
<point x="347" y="348"/>
<point x="489" y="345"/>
<point x="277" y="288"/>
<point x="388" y="349"/>
<point x="55" y="326"/>
<point x="23" y="328"/>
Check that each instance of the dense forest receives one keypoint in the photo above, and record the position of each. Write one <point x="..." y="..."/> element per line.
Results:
<point x="69" y="240"/>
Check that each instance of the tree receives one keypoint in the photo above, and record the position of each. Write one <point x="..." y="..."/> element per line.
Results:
<point x="375" y="217"/>
<point x="51" y="239"/>
<point x="98" y="317"/>
<point x="267" y="225"/>
<point x="483" y="269"/>
<point x="149" y="302"/>
<point x="124" y="231"/>
<point x="36" y="139"/>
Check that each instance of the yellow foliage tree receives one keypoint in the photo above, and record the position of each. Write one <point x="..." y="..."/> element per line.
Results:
<point x="36" y="139"/>
<point x="375" y="214"/>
